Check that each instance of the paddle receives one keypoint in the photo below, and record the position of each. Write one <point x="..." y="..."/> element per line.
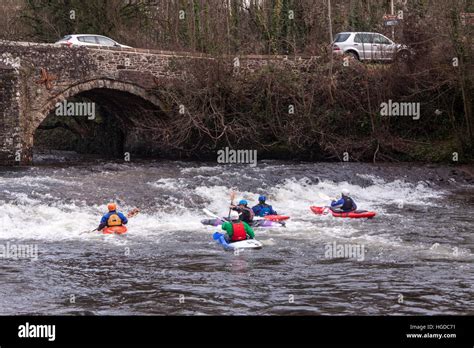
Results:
<point x="326" y="197"/>
<point x="232" y="196"/>
<point x="211" y="214"/>
<point x="95" y="229"/>
<point x="130" y="214"/>
<point x="133" y="213"/>
<point x="219" y="237"/>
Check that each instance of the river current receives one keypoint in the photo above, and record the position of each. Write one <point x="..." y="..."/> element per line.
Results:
<point x="418" y="251"/>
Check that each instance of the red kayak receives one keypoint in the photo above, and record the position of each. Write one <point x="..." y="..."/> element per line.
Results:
<point x="357" y="214"/>
<point x="276" y="217"/>
<point x="114" y="230"/>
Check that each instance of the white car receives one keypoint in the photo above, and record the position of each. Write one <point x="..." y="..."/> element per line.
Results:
<point x="369" y="46"/>
<point x="89" y="40"/>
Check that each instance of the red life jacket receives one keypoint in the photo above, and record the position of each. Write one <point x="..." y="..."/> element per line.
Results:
<point x="239" y="232"/>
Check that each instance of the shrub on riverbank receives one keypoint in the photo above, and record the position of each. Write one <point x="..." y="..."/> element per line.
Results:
<point x="326" y="111"/>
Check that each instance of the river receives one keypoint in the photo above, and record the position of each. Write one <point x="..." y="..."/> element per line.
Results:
<point x="418" y="255"/>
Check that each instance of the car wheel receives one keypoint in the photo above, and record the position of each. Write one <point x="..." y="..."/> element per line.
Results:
<point x="352" y="55"/>
<point x="403" y="55"/>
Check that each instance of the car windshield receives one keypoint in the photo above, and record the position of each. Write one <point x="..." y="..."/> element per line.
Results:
<point x="381" y="40"/>
<point x="342" y="37"/>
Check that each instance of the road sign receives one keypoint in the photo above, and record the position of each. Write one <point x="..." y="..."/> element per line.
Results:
<point x="390" y="20"/>
<point x="389" y="16"/>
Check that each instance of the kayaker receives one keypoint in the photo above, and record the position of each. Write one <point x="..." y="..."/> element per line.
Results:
<point x="263" y="209"/>
<point x="245" y="213"/>
<point x="112" y="218"/>
<point x="237" y="230"/>
<point x="345" y="204"/>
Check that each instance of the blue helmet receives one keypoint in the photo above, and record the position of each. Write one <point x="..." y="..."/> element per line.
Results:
<point x="243" y="202"/>
<point x="262" y="198"/>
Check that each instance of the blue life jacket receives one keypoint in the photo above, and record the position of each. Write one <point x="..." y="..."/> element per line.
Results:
<point x="345" y="204"/>
<point x="105" y="218"/>
<point x="263" y="209"/>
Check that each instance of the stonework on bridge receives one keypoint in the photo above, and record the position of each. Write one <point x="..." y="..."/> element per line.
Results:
<point x="35" y="77"/>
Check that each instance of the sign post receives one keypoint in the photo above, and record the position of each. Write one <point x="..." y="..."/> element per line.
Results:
<point x="393" y="26"/>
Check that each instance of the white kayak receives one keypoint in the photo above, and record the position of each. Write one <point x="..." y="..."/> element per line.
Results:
<point x="243" y="244"/>
<point x="246" y="244"/>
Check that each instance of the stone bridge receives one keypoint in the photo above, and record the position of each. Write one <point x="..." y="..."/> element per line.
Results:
<point x="35" y="77"/>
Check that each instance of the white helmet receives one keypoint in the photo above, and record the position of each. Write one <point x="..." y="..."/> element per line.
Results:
<point x="345" y="192"/>
<point x="234" y="215"/>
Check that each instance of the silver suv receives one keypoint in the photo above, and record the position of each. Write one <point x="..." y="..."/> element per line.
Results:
<point x="368" y="46"/>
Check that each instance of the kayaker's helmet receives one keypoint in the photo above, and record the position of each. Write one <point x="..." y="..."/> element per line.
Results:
<point x="345" y="192"/>
<point x="262" y="199"/>
<point x="234" y="215"/>
<point x="243" y="202"/>
<point x="112" y="206"/>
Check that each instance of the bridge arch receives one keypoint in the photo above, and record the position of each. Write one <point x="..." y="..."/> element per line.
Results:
<point x="95" y="85"/>
<point x="125" y="101"/>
